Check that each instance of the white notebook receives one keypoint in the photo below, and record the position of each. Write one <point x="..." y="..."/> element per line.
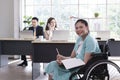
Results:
<point x="72" y="63"/>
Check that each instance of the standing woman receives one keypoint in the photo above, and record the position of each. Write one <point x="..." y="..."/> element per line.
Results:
<point x="50" y="27"/>
<point x="84" y="47"/>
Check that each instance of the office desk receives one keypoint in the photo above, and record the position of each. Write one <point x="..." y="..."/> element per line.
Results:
<point x="16" y="47"/>
<point x="10" y="46"/>
<point x="46" y="51"/>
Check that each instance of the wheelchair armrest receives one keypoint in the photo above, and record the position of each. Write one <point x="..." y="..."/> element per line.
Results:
<point x="81" y="69"/>
<point x="96" y="57"/>
<point x="100" y="55"/>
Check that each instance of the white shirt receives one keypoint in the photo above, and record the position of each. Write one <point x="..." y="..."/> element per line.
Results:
<point x="80" y="47"/>
<point x="50" y="33"/>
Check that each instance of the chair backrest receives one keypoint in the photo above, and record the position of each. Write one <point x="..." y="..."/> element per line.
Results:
<point x="114" y="48"/>
<point x="106" y="46"/>
<point x="101" y="45"/>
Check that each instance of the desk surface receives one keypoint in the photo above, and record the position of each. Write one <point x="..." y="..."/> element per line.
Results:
<point x="15" y="39"/>
<point x="52" y="41"/>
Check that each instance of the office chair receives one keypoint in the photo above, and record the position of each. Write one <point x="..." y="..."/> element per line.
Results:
<point x="106" y="47"/>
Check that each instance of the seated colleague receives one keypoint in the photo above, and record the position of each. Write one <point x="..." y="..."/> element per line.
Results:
<point x="84" y="47"/>
<point x="50" y="26"/>
<point x="38" y="31"/>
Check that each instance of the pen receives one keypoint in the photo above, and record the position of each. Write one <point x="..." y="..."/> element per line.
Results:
<point x="57" y="51"/>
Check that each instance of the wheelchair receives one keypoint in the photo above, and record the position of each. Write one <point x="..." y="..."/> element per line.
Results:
<point x="98" y="67"/>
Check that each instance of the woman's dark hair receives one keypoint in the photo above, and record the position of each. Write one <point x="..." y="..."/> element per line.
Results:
<point x="35" y="18"/>
<point x="82" y="21"/>
<point x="48" y="21"/>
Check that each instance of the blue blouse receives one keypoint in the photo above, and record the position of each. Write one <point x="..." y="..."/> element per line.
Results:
<point x="90" y="45"/>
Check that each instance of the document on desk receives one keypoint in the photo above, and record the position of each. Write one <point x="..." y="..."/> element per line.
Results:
<point x="72" y="63"/>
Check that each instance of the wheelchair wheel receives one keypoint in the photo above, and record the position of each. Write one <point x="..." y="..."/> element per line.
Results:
<point x="112" y="73"/>
<point x="75" y="76"/>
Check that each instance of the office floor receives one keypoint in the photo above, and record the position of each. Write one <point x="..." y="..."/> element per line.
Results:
<point x="14" y="72"/>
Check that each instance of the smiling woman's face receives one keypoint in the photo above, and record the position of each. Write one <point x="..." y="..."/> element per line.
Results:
<point x="53" y="23"/>
<point x="81" y="29"/>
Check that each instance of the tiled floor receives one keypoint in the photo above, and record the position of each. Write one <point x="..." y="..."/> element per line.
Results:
<point x="14" y="72"/>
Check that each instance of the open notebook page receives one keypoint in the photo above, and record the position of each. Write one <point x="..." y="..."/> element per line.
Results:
<point x="72" y="63"/>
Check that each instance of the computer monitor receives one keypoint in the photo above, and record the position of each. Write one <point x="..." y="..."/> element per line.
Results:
<point x="60" y="35"/>
<point x="104" y="35"/>
<point x="26" y="34"/>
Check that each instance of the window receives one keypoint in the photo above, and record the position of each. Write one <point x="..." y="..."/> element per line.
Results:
<point x="66" y="12"/>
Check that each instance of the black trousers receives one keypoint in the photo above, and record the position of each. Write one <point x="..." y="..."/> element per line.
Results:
<point x="23" y="57"/>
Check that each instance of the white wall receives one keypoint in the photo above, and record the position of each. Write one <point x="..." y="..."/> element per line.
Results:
<point x="17" y="5"/>
<point x="9" y="18"/>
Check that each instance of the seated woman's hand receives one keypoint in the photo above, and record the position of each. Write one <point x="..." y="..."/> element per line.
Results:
<point x="59" y="62"/>
<point x="59" y="58"/>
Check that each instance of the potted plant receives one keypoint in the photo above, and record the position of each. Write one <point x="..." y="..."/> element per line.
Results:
<point x="96" y="14"/>
<point x="41" y="23"/>
<point x="27" y="21"/>
<point x="96" y="23"/>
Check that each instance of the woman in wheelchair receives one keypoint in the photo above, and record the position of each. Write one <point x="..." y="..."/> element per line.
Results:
<point x="84" y="47"/>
